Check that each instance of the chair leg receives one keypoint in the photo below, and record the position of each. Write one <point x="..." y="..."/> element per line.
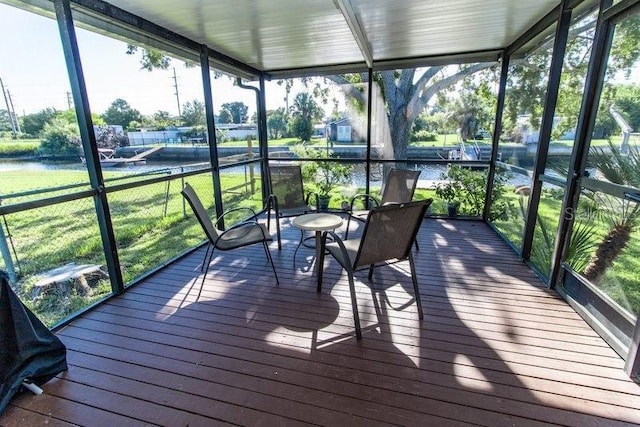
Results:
<point x="204" y="260"/>
<point x="371" y="271"/>
<point x="346" y="233"/>
<point x="277" y="218"/>
<point x="320" y="261"/>
<point x="416" y="291"/>
<point x="416" y="244"/>
<point x="354" y="305"/>
<point x="207" y="262"/>
<point x="273" y="267"/>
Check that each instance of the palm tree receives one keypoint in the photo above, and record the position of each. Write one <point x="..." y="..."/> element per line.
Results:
<point x="622" y="215"/>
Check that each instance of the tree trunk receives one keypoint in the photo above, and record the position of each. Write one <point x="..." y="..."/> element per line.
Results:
<point x="607" y="251"/>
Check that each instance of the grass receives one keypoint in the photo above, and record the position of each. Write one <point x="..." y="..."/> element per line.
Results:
<point x="620" y="282"/>
<point x="19" y="147"/>
<point x="151" y="225"/>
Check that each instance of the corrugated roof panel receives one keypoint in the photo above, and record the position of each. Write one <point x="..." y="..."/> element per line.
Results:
<point x="290" y="34"/>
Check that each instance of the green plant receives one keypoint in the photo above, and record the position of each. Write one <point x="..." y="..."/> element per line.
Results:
<point x="449" y="191"/>
<point x="60" y="137"/>
<point x="323" y="173"/>
<point x="467" y="189"/>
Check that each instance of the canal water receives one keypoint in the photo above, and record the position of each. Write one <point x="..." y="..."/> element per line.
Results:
<point x="430" y="176"/>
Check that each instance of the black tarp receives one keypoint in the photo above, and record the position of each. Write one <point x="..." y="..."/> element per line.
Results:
<point x="28" y="349"/>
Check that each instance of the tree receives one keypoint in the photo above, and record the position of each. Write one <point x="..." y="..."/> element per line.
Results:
<point x="225" y="117"/>
<point x="406" y="93"/>
<point x="238" y="111"/>
<point x="305" y="111"/>
<point x="472" y="111"/>
<point x="121" y="113"/>
<point x="193" y="113"/>
<point x="5" y="121"/>
<point x="33" y="124"/>
<point x="276" y="123"/>
<point x="621" y="215"/>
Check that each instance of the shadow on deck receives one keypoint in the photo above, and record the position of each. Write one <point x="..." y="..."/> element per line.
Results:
<point x="495" y="347"/>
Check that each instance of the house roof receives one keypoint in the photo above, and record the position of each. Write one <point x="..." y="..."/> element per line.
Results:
<point x="293" y="37"/>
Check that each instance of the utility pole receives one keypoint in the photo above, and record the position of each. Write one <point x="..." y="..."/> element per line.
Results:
<point x="13" y="126"/>
<point x="175" y="85"/>
<point x="69" y="101"/>
<point x="14" y="116"/>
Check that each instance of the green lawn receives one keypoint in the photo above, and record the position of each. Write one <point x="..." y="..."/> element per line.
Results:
<point x="151" y="225"/>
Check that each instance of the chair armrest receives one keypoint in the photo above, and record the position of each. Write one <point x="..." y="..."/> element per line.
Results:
<point x="368" y="201"/>
<point x="253" y="214"/>
<point x="338" y="240"/>
<point x="241" y="224"/>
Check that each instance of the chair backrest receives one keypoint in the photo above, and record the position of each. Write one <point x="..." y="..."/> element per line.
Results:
<point x="390" y="231"/>
<point x="201" y="213"/>
<point x="400" y="186"/>
<point x="286" y="185"/>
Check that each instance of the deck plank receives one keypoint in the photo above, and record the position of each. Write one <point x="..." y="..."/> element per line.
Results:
<point x="495" y="348"/>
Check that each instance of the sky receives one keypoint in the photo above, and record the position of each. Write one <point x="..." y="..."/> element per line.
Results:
<point x="33" y="71"/>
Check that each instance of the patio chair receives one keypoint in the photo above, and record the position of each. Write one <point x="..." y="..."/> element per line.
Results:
<point x="242" y="234"/>
<point x="398" y="188"/>
<point x="388" y="235"/>
<point x="287" y="197"/>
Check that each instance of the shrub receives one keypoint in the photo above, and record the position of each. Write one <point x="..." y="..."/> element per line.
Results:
<point x="423" y="135"/>
<point x="468" y="188"/>
<point x="60" y="137"/>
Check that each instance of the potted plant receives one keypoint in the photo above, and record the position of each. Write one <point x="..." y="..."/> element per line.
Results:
<point x="449" y="192"/>
<point x="325" y="174"/>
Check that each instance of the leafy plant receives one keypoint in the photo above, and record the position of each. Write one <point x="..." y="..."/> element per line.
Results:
<point x="324" y="174"/>
<point x="622" y="216"/>
<point x="60" y="137"/>
<point x="466" y="188"/>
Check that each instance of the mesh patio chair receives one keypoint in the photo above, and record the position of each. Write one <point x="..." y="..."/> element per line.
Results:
<point x="287" y="197"/>
<point x="388" y="235"/>
<point x="242" y="234"/>
<point x="398" y="188"/>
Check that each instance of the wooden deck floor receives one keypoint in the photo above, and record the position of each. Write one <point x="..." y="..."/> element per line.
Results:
<point x="495" y="347"/>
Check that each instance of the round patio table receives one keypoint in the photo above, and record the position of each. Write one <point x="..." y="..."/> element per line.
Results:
<point x="317" y="222"/>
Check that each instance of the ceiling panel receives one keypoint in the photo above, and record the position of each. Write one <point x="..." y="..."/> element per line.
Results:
<point x="291" y="34"/>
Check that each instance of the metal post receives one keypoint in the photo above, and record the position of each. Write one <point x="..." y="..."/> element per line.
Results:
<point x="632" y="365"/>
<point x="497" y="130"/>
<point x="588" y="111"/>
<point x="367" y="166"/>
<point x="211" y="131"/>
<point x="89" y="144"/>
<point x="553" y="85"/>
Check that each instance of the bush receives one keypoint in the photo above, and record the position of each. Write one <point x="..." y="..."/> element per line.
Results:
<point x="423" y="135"/>
<point x="60" y="137"/>
<point x="467" y="189"/>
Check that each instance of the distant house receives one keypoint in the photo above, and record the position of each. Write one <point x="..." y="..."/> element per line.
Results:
<point x="346" y="130"/>
<point x="184" y="134"/>
<point x="319" y="131"/>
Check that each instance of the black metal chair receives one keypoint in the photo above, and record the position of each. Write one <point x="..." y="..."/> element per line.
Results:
<point x="398" y="188"/>
<point x="242" y="234"/>
<point x="388" y="235"/>
<point x="287" y="197"/>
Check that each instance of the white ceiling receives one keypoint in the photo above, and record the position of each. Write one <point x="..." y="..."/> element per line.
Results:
<point x="280" y="35"/>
